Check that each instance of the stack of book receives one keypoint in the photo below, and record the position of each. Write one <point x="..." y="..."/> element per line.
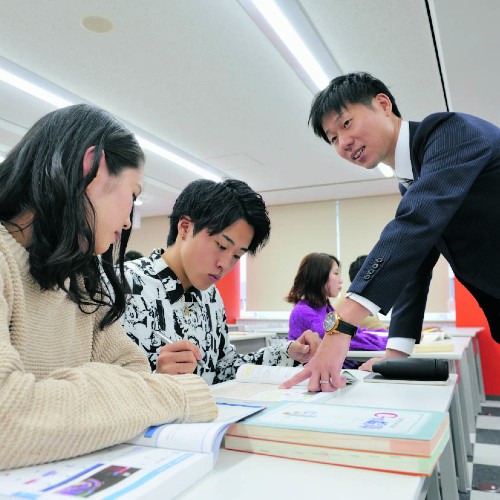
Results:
<point x="408" y="442"/>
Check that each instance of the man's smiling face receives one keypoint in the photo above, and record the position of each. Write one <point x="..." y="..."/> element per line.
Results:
<point x="363" y="135"/>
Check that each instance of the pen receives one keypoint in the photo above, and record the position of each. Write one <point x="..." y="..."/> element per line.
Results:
<point x="165" y="339"/>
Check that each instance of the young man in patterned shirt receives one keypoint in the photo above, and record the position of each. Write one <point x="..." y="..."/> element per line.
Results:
<point x="173" y="291"/>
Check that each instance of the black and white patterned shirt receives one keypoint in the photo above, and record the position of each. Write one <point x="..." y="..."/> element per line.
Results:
<point x="158" y="304"/>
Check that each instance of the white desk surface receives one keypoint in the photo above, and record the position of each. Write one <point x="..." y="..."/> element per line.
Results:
<point x="462" y="331"/>
<point x="460" y="343"/>
<point x="400" y="396"/>
<point x="236" y="336"/>
<point x="247" y="476"/>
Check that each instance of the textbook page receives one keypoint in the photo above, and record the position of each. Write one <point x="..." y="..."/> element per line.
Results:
<point x="159" y="463"/>
<point x="233" y="390"/>
<point x="266" y="374"/>
<point x="261" y="383"/>
<point x="124" y="472"/>
<point x="203" y="437"/>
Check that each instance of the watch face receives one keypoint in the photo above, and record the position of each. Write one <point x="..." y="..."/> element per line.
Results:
<point x="330" y="321"/>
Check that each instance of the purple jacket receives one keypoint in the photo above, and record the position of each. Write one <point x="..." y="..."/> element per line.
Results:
<point x="305" y="317"/>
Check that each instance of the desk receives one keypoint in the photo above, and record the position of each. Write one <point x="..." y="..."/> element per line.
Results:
<point x="458" y="363"/>
<point x="280" y="333"/>
<point x="246" y="342"/>
<point x="460" y="407"/>
<point x="442" y="398"/>
<point x="247" y="476"/>
<point x="475" y="356"/>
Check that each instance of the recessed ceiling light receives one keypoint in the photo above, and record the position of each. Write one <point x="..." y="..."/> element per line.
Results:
<point x="97" y="24"/>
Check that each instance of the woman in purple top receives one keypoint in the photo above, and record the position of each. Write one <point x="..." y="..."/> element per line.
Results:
<point x="317" y="279"/>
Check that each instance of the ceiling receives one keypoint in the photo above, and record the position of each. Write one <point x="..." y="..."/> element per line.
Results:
<point x="200" y="75"/>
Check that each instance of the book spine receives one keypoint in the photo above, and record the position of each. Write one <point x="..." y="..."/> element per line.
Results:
<point x="346" y="441"/>
<point x="406" y="464"/>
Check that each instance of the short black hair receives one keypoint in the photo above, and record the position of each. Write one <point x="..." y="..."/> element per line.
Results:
<point x="132" y="255"/>
<point x="353" y="88"/>
<point x="356" y="266"/>
<point x="217" y="205"/>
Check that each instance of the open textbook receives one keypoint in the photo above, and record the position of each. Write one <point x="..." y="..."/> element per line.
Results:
<point x="159" y="463"/>
<point x="261" y="383"/>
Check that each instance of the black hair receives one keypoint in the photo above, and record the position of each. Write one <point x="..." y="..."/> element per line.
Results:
<point x="44" y="175"/>
<point x="356" y="266"/>
<point x="217" y="205"/>
<point x="353" y="88"/>
<point x="132" y="255"/>
<point x="312" y="275"/>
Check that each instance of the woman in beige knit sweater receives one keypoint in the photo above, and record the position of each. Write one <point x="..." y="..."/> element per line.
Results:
<point x="71" y="381"/>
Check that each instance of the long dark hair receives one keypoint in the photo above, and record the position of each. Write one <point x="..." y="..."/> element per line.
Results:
<point x="309" y="283"/>
<point x="43" y="175"/>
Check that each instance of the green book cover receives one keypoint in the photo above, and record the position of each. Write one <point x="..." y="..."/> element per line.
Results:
<point x="362" y="421"/>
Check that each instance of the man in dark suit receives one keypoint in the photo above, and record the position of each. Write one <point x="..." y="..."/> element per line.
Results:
<point x="448" y="167"/>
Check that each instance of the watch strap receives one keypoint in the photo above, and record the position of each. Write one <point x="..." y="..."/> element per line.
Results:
<point x="347" y="328"/>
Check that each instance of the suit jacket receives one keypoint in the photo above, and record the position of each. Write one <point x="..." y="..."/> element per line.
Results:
<point x="451" y="209"/>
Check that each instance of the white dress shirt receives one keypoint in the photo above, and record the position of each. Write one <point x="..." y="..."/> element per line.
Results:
<point x="404" y="174"/>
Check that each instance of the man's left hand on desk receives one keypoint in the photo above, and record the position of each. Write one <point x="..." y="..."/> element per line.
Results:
<point x="389" y="354"/>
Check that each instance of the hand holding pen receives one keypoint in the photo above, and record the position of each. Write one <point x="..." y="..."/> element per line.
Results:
<point x="179" y="360"/>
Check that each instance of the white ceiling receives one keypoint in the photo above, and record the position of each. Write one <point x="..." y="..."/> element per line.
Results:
<point x="201" y="75"/>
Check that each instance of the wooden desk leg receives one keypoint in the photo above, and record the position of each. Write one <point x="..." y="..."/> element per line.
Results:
<point x="459" y="445"/>
<point x="448" y="474"/>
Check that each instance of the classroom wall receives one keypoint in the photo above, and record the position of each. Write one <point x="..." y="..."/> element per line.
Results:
<point x="152" y="234"/>
<point x="312" y="227"/>
<point x="299" y="229"/>
<point x="296" y="230"/>
<point x="361" y="220"/>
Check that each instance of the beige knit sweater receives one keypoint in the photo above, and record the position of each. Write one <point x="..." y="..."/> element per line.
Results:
<point x="68" y="388"/>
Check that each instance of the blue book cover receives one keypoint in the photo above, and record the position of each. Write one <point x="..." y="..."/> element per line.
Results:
<point x="363" y="421"/>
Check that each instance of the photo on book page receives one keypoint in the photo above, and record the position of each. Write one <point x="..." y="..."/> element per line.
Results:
<point x="121" y="471"/>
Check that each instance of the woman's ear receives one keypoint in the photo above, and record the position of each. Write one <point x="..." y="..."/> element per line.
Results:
<point x="88" y="158"/>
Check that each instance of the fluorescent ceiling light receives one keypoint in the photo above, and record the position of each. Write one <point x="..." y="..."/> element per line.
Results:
<point x="27" y="84"/>
<point x="292" y="40"/>
<point x="177" y="159"/>
<point x="33" y="89"/>
<point x="289" y="29"/>
<point x="386" y="170"/>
